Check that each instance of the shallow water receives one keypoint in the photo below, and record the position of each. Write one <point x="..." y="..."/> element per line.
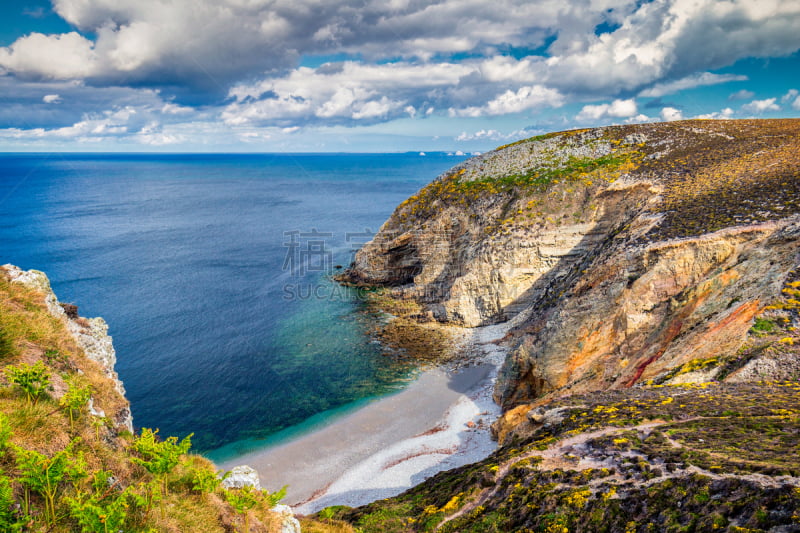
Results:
<point x="209" y="274"/>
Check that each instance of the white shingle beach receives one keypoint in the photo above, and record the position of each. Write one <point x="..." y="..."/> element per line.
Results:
<point x="440" y="421"/>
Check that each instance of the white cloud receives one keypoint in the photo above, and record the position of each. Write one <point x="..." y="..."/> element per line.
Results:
<point x="662" y="41"/>
<point x="616" y="109"/>
<point x="199" y="52"/>
<point x="343" y="92"/>
<point x="530" y="97"/>
<point x="153" y="134"/>
<point x="51" y="99"/>
<point x="792" y="98"/>
<point x="761" y="106"/>
<point x="742" y="94"/>
<point x="638" y="119"/>
<point x="54" y="57"/>
<point x="660" y="46"/>
<point x="669" y="114"/>
<point x="478" y="135"/>
<point x="789" y="96"/>
<point x="723" y="114"/>
<point x="689" y="82"/>
<point x="142" y="123"/>
<point x="495" y="135"/>
<point x="173" y="109"/>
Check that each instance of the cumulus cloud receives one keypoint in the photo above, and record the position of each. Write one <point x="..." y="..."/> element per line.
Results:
<point x="638" y="119"/>
<point x="657" y="46"/>
<point x="761" y="106"/>
<point x="669" y="114"/>
<point x="616" y="109"/>
<point x="356" y="92"/>
<point x="153" y="134"/>
<point x="112" y="122"/>
<point x="146" y="120"/>
<point x="51" y="99"/>
<point x="723" y="114"/>
<point x="495" y="135"/>
<point x="54" y="57"/>
<point x="243" y="60"/>
<point x="342" y="93"/>
<point x="531" y="97"/>
<point x="212" y="43"/>
<point x="690" y="82"/>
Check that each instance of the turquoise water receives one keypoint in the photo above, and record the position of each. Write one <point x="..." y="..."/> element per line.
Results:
<point x="213" y="273"/>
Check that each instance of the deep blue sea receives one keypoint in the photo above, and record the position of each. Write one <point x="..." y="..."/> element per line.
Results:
<point x="213" y="273"/>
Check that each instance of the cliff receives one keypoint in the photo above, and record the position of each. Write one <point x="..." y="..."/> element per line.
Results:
<point x="69" y="460"/>
<point x="618" y="253"/>
<point x="648" y="275"/>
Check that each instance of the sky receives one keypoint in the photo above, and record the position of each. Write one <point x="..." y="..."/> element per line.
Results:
<point x="380" y="75"/>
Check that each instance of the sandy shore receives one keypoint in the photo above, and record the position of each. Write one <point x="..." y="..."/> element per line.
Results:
<point x="438" y="422"/>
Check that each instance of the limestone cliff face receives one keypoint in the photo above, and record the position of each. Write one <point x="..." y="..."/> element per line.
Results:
<point x="90" y="334"/>
<point x="620" y="254"/>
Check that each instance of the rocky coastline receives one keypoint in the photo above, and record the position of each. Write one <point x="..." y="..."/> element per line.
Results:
<point x="647" y="277"/>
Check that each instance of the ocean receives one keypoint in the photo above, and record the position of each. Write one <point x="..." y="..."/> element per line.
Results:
<point x="213" y="272"/>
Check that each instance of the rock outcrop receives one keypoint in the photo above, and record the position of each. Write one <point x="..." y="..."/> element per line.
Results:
<point x="622" y="254"/>
<point x="242" y="476"/>
<point x="90" y="334"/>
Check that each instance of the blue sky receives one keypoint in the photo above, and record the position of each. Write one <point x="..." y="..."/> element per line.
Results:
<point x="380" y="75"/>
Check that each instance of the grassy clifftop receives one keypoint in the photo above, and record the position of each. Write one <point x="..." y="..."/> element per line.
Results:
<point x="67" y="461"/>
<point x="713" y="174"/>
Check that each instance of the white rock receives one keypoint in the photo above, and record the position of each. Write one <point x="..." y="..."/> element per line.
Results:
<point x="289" y="524"/>
<point x="242" y="476"/>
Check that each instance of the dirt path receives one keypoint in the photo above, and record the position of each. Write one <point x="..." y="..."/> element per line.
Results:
<point x="553" y="457"/>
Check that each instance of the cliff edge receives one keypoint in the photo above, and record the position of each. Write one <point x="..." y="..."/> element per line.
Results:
<point x="619" y="254"/>
<point x="69" y="460"/>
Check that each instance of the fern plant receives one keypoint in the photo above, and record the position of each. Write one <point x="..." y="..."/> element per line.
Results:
<point x="242" y="500"/>
<point x="74" y="400"/>
<point x="32" y="379"/>
<point x="5" y="433"/>
<point x="206" y="481"/>
<point x="159" y="457"/>
<point x="272" y="498"/>
<point x="46" y="475"/>
<point x="8" y="521"/>
<point x="97" y="423"/>
<point x="103" y="511"/>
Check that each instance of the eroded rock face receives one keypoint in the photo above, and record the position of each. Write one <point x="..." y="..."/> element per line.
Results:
<point x="634" y="315"/>
<point x="91" y="334"/>
<point x="620" y="253"/>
